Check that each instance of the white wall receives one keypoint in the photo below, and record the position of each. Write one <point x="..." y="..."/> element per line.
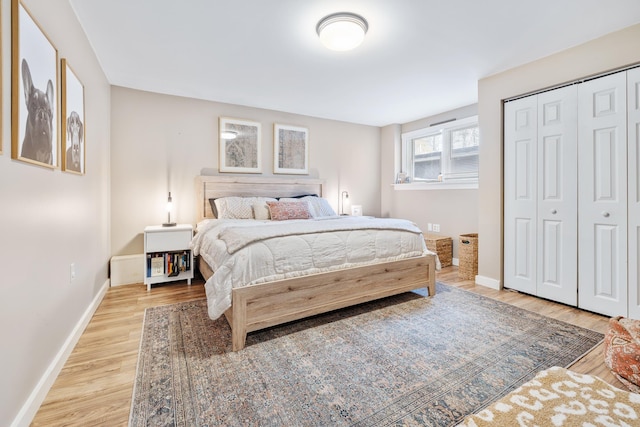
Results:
<point x="161" y="143"/>
<point x="48" y="220"/>
<point x="612" y="51"/>
<point x="390" y="164"/>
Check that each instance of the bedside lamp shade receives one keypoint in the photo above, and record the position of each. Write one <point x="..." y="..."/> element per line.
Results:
<point x="345" y="195"/>
<point x="169" y="207"/>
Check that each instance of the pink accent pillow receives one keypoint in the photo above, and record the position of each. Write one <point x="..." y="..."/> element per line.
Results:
<point x="289" y="210"/>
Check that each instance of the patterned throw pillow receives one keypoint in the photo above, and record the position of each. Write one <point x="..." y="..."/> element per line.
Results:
<point x="289" y="210"/>
<point x="237" y="207"/>
<point x="622" y="351"/>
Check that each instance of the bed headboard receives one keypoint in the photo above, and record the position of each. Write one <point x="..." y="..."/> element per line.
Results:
<point x="211" y="187"/>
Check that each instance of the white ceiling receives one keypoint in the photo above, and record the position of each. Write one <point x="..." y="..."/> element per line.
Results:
<point x="419" y="58"/>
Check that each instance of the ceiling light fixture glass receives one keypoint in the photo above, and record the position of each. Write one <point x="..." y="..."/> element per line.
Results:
<point x="342" y="31"/>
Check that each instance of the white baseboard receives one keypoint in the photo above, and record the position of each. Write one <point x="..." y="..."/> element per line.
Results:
<point x="481" y="280"/>
<point x="37" y="396"/>
<point x="488" y="282"/>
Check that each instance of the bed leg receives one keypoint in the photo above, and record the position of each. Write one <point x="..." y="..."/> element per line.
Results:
<point x="238" y="339"/>
<point x="432" y="288"/>
<point x="238" y="321"/>
<point x="431" y="279"/>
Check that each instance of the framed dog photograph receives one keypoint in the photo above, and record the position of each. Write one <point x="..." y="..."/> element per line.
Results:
<point x="1" y="86"/>
<point x="34" y="93"/>
<point x="240" y="146"/>
<point x="290" y="149"/>
<point x="72" y="113"/>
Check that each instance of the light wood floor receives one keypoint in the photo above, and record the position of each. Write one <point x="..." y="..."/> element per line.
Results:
<point x="96" y="383"/>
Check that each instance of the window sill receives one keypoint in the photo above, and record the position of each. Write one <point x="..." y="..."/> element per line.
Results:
<point x="436" y="186"/>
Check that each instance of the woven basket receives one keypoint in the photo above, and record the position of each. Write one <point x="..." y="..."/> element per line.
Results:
<point x="442" y="245"/>
<point x="468" y="256"/>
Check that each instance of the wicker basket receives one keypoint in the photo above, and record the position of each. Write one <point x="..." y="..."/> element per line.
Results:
<point x="442" y="245"/>
<point x="468" y="256"/>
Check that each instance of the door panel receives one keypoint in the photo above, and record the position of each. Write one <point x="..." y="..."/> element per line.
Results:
<point x="557" y="196"/>
<point x="605" y="145"/>
<point x="602" y="195"/>
<point x="524" y="261"/>
<point x="520" y="150"/>
<point x="552" y="167"/>
<point x="605" y="272"/>
<point x="552" y="253"/>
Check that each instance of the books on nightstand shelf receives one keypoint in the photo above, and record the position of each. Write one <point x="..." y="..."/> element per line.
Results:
<point x="169" y="263"/>
<point x="156" y="268"/>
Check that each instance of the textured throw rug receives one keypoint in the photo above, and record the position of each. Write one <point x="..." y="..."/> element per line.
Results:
<point x="559" y="397"/>
<point x="403" y="360"/>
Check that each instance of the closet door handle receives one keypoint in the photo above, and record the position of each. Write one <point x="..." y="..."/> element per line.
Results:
<point x="605" y="214"/>
<point x="553" y="211"/>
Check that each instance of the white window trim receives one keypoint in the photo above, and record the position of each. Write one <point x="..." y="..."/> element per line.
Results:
<point x="458" y="184"/>
<point x="437" y="186"/>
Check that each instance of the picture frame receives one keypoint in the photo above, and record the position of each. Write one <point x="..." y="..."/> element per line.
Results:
<point x="1" y="86"/>
<point x="34" y="91"/>
<point x="73" y="154"/>
<point x="290" y="149"/>
<point x="240" y="146"/>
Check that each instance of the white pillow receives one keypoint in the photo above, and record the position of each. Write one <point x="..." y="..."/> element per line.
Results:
<point x="261" y="210"/>
<point x="238" y="207"/>
<point x="321" y="207"/>
<point x="318" y="206"/>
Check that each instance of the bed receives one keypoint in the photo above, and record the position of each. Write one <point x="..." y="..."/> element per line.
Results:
<point x="295" y="296"/>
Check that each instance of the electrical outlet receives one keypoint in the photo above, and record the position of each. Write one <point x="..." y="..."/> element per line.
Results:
<point x="436" y="228"/>
<point x="72" y="271"/>
<point x="429" y="227"/>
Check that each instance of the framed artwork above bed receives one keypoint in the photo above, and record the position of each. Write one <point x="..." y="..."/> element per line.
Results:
<point x="290" y="149"/>
<point x="240" y="146"/>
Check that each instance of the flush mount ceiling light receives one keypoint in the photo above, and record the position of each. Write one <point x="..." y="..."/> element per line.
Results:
<point x="228" y="134"/>
<point x="342" y="31"/>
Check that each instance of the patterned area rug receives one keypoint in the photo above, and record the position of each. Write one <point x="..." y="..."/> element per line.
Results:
<point x="403" y="360"/>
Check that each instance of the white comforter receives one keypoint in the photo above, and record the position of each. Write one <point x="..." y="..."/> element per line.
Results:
<point x="248" y="252"/>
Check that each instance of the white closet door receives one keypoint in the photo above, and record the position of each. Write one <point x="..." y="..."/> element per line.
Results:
<point x="633" y="153"/>
<point x="520" y="194"/>
<point x="602" y="195"/>
<point x="557" y="225"/>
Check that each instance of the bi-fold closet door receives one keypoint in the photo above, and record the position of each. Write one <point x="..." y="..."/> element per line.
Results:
<point x="602" y="196"/>
<point x="571" y="194"/>
<point x="540" y="195"/>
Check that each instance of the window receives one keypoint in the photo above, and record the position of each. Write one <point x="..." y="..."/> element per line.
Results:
<point x="444" y="153"/>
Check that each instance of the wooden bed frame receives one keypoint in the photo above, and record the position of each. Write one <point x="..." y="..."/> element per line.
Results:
<point x="261" y="306"/>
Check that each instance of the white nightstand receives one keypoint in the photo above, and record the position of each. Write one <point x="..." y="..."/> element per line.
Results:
<point x="167" y="254"/>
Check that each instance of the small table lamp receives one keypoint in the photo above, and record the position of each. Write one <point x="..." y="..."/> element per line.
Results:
<point x="169" y="207"/>
<point x="345" y="195"/>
